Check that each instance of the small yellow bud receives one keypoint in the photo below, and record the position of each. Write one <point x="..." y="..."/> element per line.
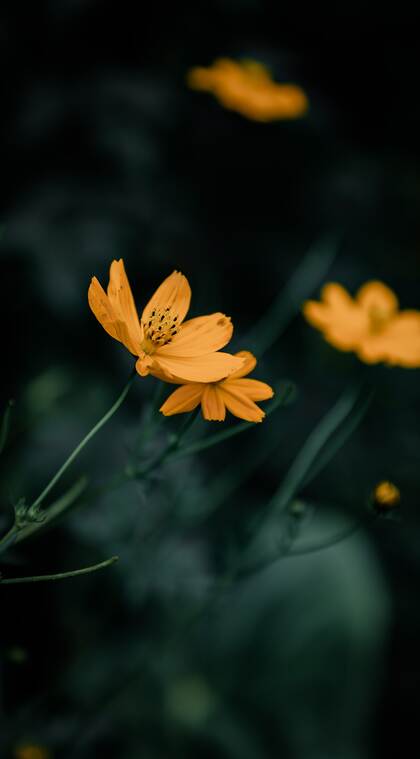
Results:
<point x="386" y="496"/>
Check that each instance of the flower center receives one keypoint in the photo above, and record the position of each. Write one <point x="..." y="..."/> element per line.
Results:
<point x="379" y="317"/>
<point x="159" y="328"/>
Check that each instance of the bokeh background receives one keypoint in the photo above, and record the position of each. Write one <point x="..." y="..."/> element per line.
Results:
<point x="105" y="154"/>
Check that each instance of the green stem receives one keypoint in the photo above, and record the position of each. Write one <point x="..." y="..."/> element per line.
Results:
<point x="55" y="509"/>
<point x="60" y="575"/>
<point x="284" y="395"/>
<point x="85" y="440"/>
<point x="5" y="425"/>
<point x="310" y="272"/>
<point x="8" y="538"/>
<point x="172" y="446"/>
<point x="311" y="449"/>
<point x="286" y="554"/>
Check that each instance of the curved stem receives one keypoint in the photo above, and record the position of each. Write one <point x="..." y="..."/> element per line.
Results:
<point x="60" y="575"/>
<point x="54" y="510"/>
<point x="85" y="440"/>
<point x="285" y="394"/>
<point x="286" y="554"/>
<point x="5" y="425"/>
<point x="170" y="448"/>
<point x="338" y="538"/>
<point x="8" y="538"/>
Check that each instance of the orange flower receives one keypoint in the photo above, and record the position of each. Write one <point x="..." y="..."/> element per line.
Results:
<point x="386" y="496"/>
<point x="234" y="393"/>
<point x="164" y="343"/>
<point x="371" y="324"/>
<point x="29" y="751"/>
<point x="248" y="88"/>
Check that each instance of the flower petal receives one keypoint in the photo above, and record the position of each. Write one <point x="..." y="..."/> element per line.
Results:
<point x="337" y="297"/>
<point x="397" y="345"/>
<point x="247" y="87"/>
<point x="210" y="368"/>
<point x="173" y="293"/>
<point x="249" y="364"/>
<point x="268" y="102"/>
<point x="343" y="322"/>
<point x="336" y="305"/>
<point x="347" y="337"/>
<point x="200" y="78"/>
<point x="122" y="302"/>
<point x="317" y="314"/>
<point x="371" y="350"/>
<point x="212" y="405"/>
<point x="253" y="389"/>
<point x="144" y="364"/>
<point x="199" y="336"/>
<point x="101" y="307"/>
<point x="240" y="405"/>
<point x="184" y="398"/>
<point x="158" y="372"/>
<point x="377" y="296"/>
<point x="215" y="77"/>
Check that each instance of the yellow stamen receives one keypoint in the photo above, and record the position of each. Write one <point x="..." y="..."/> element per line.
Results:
<point x="159" y="327"/>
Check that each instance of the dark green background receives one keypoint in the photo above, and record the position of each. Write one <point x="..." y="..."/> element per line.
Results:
<point x="107" y="154"/>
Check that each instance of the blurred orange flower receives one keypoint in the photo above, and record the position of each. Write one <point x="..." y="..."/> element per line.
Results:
<point x="234" y="393"/>
<point x="164" y="343"/>
<point x="371" y="324"/>
<point x="386" y="495"/>
<point x="247" y="87"/>
<point x="29" y="751"/>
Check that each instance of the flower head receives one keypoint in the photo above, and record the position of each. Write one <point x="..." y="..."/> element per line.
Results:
<point x="247" y="87"/>
<point x="370" y="324"/>
<point x="30" y="751"/>
<point x="386" y="496"/>
<point x="236" y="394"/>
<point x="164" y="343"/>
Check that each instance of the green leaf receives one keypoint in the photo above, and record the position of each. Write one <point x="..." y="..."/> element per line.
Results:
<point x="339" y="439"/>
<point x="320" y="447"/>
<point x="308" y="275"/>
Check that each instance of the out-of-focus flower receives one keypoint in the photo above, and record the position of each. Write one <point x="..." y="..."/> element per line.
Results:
<point x="30" y="751"/>
<point x="163" y="342"/>
<point x="247" y="87"/>
<point x="370" y="324"/>
<point x="236" y="394"/>
<point x="386" y="496"/>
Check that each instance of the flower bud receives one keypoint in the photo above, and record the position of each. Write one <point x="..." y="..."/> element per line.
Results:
<point x="385" y="496"/>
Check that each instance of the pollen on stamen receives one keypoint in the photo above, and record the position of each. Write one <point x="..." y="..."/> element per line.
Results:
<point x="161" y="326"/>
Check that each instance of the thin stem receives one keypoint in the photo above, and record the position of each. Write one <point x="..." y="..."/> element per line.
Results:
<point x="60" y="575"/>
<point x="85" y="440"/>
<point x="8" y="538"/>
<point x="170" y="448"/>
<point x="284" y="395"/>
<point x="55" y="509"/>
<point x="309" y="452"/>
<point x="5" y="425"/>
<point x="286" y="554"/>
